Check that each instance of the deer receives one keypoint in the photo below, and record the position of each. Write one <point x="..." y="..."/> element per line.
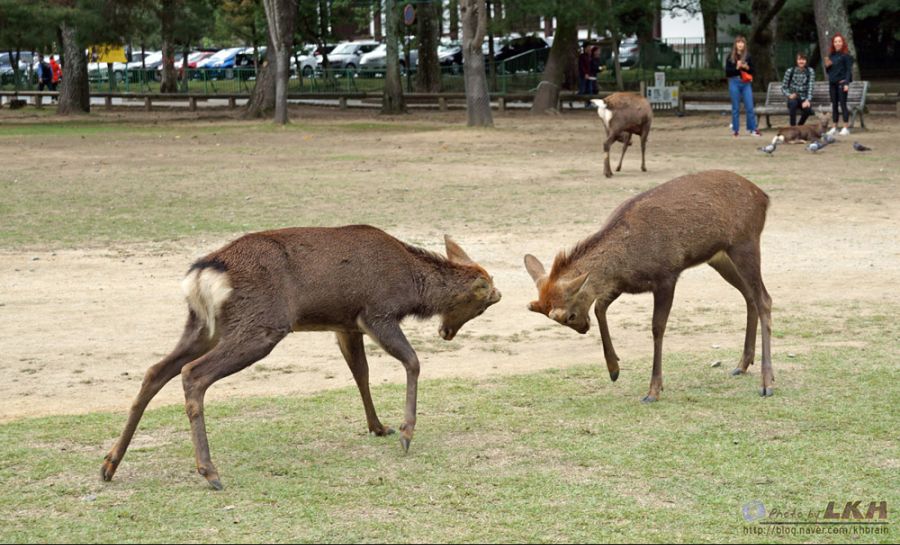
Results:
<point x="803" y="133"/>
<point x="714" y="217"/>
<point x="624" y="115"/>
<point x="244" y="298"/>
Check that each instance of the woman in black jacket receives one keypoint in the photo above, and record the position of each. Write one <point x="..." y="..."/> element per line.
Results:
<point x="839" y="65"/>
<point x="739" y="71"/>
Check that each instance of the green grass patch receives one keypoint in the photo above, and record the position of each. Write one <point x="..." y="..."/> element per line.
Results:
<point x="556" y="456"/>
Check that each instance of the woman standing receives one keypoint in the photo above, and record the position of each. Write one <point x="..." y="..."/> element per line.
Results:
<point x="839" y="65"/>
<point x="739" y="71"/>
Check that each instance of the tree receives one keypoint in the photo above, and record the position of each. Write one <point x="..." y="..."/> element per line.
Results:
<point x="392" y="101"/>
<point x="562" y="54"/>
<point x="761" y="40"/>
<point x="262" y="100"/>
<point x="473" y="15"/>
<point x="281" y="16"/>
<point x="428" y="71"/>
<point x="831" y="18"/>
<point x="24" y="26"/>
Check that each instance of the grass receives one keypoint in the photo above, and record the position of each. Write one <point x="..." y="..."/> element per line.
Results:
<point x="557" y="456"/>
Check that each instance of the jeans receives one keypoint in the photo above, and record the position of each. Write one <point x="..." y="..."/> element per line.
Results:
<point x="838" y="96"/>
<point x="741" y="92"/>
<point x="794" y="104"/>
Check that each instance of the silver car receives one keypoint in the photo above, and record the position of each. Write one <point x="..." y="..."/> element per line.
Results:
<point x="376" y="60"/>
<point x="347" y="55"/>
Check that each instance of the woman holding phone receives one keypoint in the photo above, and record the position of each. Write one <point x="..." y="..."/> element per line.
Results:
<point x="739" y="71"/>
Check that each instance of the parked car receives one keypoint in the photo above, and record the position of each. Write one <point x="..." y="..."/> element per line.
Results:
<point x="376" y="60"/>
<point x="347" y="54"/>
<point x="450" y="57"/>
<point x="518" y="46"/>
<point x="306" y="56"/>
<point x="662" y="54"/>
<point x="220" y="64"/>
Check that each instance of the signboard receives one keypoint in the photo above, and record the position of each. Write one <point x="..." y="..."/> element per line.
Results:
<point x="409" y="15"/>
<point x="666" y="97"/>
<point x="109" y="53"/>
<point x="660" y="78"/>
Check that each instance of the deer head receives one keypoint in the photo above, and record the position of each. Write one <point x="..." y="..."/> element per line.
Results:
<point x="566" y="301"/>
<point x="473" y="300"/>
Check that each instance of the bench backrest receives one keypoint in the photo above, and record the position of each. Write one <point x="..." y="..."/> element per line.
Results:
<point x="821" y="95"/>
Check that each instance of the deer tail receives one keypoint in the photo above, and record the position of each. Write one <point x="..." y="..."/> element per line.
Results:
<point x="206" y="290"/>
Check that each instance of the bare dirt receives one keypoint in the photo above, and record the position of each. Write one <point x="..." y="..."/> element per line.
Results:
<point x="81" y="324"/>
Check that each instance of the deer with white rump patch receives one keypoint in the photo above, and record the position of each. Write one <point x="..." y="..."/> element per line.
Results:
<point x="714" y="217"/>
<point x="624" y="115"/>
<point x="246" y="297"/>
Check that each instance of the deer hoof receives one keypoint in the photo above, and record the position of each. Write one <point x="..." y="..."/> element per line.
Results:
<point x="767" y="392"/>
<point x="738" y="372"/>
<point x="108" y="469"/>
<point x="614" y="375"/>
<point x="649" y="399"/>
<point x="404" y="442"/>
<point x="383" y="432"/>
<point x="216" y="484"/>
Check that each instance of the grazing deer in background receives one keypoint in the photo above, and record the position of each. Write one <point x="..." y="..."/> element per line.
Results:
<point x="244" y="298"/>
<point x="803" y="133"/>
<point x="713" y="217"/>
<point x="623" y="115"/>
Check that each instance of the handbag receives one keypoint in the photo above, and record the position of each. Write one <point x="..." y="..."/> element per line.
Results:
<point x="746" y="77"/>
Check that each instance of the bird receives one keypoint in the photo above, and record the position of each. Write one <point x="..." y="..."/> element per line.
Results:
<point x="829" y="138"/>
<point x="768" y="149"/>
<point x="859" y="147"/>
<point x="816" y="146"/>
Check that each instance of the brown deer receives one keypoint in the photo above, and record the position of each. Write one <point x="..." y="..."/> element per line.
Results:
<point x="623" y="115"/>
<point x="803" y="133"/>
<point x="713" y="217"/>
<point x="247" y="296"/>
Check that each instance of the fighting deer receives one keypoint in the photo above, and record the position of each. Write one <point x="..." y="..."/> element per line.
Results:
<point x="803" y="133"/>
<point x="247" y="296"/>
<point x="714" y="217"/>
<point x="624" y="115"/>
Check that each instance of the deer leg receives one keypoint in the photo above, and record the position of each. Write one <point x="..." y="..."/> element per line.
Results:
<point x="662" y="304"/>
<point x="609" y="353"/>
<point x="607" y="171"/>
<point x="193" y="344"/>
<point x="644" y="134"/>
<point x="746" y="258"/>
<point x="625" y="144"/>
<point x="233" y="353"/>
<point x="391" y="338"/>
<point x="355" y="353"/>
<point x="725" y="267"/>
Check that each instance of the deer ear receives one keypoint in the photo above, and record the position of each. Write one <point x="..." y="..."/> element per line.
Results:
<point x="534" y="268"/>
<point x="576" y="285"/>
<point x="455" y="253"/>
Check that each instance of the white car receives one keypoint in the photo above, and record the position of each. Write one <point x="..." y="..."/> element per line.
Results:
<point x="348" y="54"/>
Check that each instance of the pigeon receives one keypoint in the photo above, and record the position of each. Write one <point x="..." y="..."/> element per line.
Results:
<point x="859" y="147"/>
<point x="829" y="138"/>
<point x="769" y="149"/>
<point x="816" y="146"/>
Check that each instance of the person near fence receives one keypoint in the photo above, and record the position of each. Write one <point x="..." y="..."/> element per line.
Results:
<point x="56" y="72"/>
<point x="839" y="65"/>
<point x="584" y="71"/>
<point x="595" y="70"/>
<point x="797" y="86"/>
<point x="44" y="74"/>
<point x="739" y="71"/>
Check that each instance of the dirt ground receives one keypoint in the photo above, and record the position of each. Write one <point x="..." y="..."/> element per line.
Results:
<point x="82" y="322"/>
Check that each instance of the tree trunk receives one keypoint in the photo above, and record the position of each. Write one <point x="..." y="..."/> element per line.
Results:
<point x="281" y="16"/>
<point x="473" y="15"/>
<point x="262" y="101"/>
<point x="561" y="57"/>
<point x="74" y="92"/>
<point x="831" y="18"/>
<point x="169" y="83"/>
<point x="428" y="71"/>
<point x="614" y="34"/>
<point x="185" y="53"/>
<point x="492" y="61"/>
<point x="710" y="12"/>
<point x="393" y="101"/>
<point x="454" y="19"/>
<point x="761" y="42"/>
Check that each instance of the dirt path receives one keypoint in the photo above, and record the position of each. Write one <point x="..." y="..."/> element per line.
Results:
<point x="80" y="326"/>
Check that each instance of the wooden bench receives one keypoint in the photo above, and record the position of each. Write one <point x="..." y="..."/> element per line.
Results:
<point x="776" y="102"/>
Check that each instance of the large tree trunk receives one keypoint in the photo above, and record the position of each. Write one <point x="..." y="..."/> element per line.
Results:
<point x="614" y="34"/>
<point x="710" y="12"/>
<point x="473" y="15"/>
<point x="262" y="101"/>
<point x="428" y="71"/>
<point x="561" y="58"/>
<point x="831" y="18"/>
<point x="185" y="53"/>
<point x="74" y="92"/>
<point x="169" y="83"/>
<point x="281" y="16"/>
<point x="454" y="19"/>
<point x="761" y="42"/>
<point x="393" y="101"/>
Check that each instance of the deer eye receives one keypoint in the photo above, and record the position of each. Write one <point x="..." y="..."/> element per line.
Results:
<point x="571" y="317"/>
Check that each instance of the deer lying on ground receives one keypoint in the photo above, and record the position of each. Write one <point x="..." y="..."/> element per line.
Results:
<point x="801" y="134"/>
<point x="247" y="296"/>
<point x="623" y="115"/>
<point x="714" y="217"/>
